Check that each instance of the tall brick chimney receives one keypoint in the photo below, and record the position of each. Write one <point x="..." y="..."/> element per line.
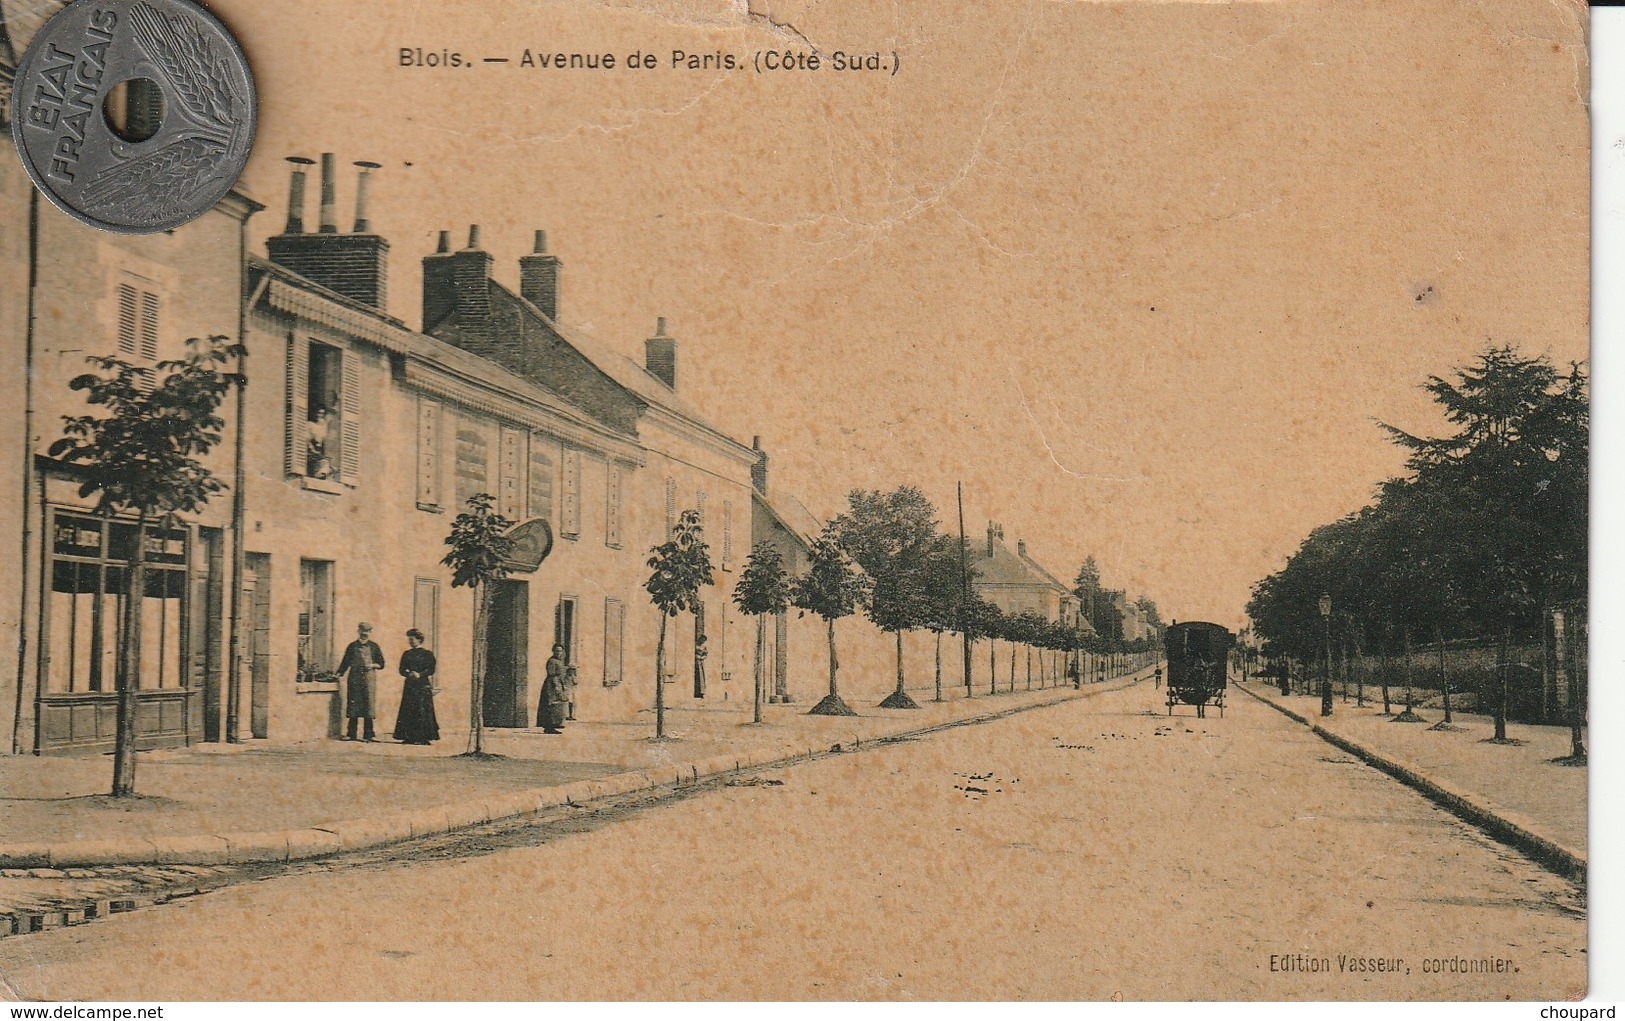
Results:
<point x="539" y="278"/>
<point x="992" y="534"/>
<point x="456" y="282"/>
<point x="660" y="355"/>
<point x="354" y="265"/>
<point x="758" y="471"/>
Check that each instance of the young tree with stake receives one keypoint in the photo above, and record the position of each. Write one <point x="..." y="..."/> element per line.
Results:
<point x="142" y="457"/>
<point x="680" y="565"/>
<point x="832" y="588"/>
<point x="479" y="556"/>
<point x="763" y="590"/>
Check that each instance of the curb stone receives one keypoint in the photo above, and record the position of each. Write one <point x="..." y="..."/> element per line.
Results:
<point x="330" y="838"/>
<point x="1506" y="826"/>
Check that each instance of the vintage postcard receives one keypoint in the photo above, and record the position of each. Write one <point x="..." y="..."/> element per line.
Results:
<point x="804" y="500"/>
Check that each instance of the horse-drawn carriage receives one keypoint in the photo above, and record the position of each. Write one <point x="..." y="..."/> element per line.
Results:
<point x="1198" y="654"/>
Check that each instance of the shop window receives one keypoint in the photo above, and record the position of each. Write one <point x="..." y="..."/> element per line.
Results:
<point x="85" y="617"/>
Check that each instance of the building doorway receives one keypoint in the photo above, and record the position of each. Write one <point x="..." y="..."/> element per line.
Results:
<point x="507" y="654"/>
<point x="257" y="594"/>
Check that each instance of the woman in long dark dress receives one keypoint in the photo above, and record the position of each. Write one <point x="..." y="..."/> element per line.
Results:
<point x="416" y="723"/>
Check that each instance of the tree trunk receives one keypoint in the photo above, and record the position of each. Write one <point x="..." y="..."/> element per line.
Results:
<point x="761" y="650"/>
<point x="1561" y="644"/>
<point x="964" y="642"/>
<point x="832" y="704"/>
<point x="899" y="698"/>
<point x="1444" y="676"/>
<point x="660" y="680"/>
<point x="939" y="666"/>
<point x="482" y="628"/>
<point x="1382" y="665"/>
<point x="1503" y="705"/>
<point x="129" y="668"/>
<point x="1029" y="668"/>
<point x="992" y="666"/>
<point x="1012" y="667"/>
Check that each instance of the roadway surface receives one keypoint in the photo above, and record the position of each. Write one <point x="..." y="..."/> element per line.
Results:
<point x="1093" y="850"/>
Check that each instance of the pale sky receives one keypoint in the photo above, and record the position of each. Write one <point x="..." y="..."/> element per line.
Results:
<point x="1143" y="276"/>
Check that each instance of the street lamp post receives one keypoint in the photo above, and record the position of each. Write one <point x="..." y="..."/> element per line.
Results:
<point x="1326" y="676"/>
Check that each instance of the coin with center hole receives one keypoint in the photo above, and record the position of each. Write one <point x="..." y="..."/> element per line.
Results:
<point x="134" y="116"/>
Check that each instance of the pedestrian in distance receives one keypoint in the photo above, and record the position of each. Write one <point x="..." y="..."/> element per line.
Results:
<point x="555" y="696"/>
<point x="1158" y="676"/>
<point x="1073" y="673"/>
<point x="416" y="723"/>
<point x="360" y="665"/>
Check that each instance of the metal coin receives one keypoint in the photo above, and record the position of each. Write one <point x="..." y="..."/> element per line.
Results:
<point x="134" y="116"/>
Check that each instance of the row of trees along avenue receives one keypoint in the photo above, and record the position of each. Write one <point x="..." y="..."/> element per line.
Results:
<point x="1482" y="539"/>
<point x="139" y="454"/>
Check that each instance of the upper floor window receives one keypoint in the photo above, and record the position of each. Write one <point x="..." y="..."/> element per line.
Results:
<point x="137" y="320"/>
<point x="323" y="425"/>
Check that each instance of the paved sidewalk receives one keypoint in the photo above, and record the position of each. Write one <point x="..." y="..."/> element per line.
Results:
<point x="1515" y="789"/>
<point x="226" y="804"/>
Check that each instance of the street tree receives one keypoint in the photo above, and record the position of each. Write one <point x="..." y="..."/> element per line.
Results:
<point x="944" y="596"/>
<point x="832" y="588"/>
<point x="142" y="457"/>
<point x="1029" y="628"/>
<point x="891" y="536"/>
<point x="763" y="591"/>
<point x="679" y="566"/>
<point x="479" y="554"/>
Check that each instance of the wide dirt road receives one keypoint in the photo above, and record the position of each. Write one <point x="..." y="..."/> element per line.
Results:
<point x="1087" y="851"/>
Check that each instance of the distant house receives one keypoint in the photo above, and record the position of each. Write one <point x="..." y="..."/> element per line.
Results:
<point x="1016" y="583"/>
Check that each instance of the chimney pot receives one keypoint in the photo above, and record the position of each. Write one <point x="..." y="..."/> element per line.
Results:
<point x="444" y="247"/>
<point x="660" y="355"/>
<point x="296" y="195"/>
<point x="473" y="235"/>
<point x="539" y="278"/>
<point x="366" y="167"/>
<point x="1021" y="547"/>
<point x="329" y="223"/>
<point x="758" y="471"/>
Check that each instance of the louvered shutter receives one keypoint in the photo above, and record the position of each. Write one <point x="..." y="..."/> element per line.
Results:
<point x="149" y="326"/>
<point x="612" y="507"/>
<point x="298" y="415"/>
<point x="351" y="401"/>
<point x="570" y="511"/>
<point x="727" y="533"/>
<point x="671" y="507"/>
<point x="127" y="321"/>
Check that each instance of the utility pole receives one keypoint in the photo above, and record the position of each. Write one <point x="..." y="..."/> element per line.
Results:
<point x="964" y="589"/>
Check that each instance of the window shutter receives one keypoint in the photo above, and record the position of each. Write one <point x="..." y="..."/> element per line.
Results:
<point x="727" y="533"/>
<point x="612" y="507"/>
<point x="570" y="519"/>
<point x="298" y="416"/>
<point x="511" y="474"/>
<point x="541" y="479"/>
<point x="350" y="399"/>
<point x="149" y="326"/>
<point x="127" y="321"/>
<point x="699" y="508"/>
<point x="614" y="640"/>
<point x="671" y="507"/>
<point x="428" y="454"/>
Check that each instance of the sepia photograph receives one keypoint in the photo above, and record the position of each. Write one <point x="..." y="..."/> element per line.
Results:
<point x="795" y="500"/>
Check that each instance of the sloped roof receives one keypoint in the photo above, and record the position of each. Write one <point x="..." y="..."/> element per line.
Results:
<point x="625" y="372"/>
<point x="1005" y="568"/>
